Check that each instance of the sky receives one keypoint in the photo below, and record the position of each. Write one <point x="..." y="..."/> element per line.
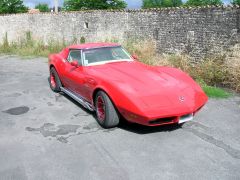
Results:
<point x="132" y="4"/>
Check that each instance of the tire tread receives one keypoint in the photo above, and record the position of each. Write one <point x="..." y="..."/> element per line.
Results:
<point x="58" y="82"/>
<point x="112" y="117"/>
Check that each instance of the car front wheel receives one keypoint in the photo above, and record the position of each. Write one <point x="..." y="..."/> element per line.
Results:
<point x="54" y="80"/>
<point x="107" y="116"/>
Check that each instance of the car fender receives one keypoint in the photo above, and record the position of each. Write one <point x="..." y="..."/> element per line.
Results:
<point x="121" y="101"/>
<point x="57" y="61"/>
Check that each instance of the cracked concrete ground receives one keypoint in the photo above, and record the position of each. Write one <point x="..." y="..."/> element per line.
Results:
<point x="44" y="135"/>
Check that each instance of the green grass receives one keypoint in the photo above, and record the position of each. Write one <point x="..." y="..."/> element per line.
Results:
<point x="215" y="92"/>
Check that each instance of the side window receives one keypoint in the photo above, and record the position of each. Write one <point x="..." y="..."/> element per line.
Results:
<point x="75" y="55"/>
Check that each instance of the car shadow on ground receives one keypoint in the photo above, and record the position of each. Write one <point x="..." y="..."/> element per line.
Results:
<point x="127" y="126"/>
<point x="141" y="129"/>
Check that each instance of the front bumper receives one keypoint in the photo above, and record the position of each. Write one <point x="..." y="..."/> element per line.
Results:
<point x="171" y="118"/>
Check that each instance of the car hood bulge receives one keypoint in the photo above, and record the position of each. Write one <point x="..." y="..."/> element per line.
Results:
<point x="153" y="87"/>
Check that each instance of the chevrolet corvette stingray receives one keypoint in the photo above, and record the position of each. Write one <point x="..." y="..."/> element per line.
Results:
<point x="105" y="78"/>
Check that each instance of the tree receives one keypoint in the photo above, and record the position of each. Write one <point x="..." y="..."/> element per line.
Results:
<point x="161" y="3"/>
<point x="236" y="2"/>
<point x="12" y="6"/>
<point x="203" y="2"/>
<point x="75" y="5"/>
<point x="42" y="7"/>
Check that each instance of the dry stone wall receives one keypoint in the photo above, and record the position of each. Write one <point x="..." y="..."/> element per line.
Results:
<point x="198" y="31"/>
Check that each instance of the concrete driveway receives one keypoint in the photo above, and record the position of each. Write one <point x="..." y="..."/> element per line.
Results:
<point x="44" y="135"/>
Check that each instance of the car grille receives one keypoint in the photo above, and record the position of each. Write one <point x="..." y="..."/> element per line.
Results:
<point x="163" y="120"/>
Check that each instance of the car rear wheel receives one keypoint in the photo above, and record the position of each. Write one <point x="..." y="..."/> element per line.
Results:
<point x="107" y="116"/>
<point x="54" y="80"/>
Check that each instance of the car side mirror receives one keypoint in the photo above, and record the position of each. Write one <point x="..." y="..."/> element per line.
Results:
<point x="135" y="57"/>
<point x="74" y="63"/>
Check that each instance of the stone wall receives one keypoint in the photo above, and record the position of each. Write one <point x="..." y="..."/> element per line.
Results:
<point x="197" y="31"/>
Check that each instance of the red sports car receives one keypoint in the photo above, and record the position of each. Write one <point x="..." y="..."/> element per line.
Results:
<point x="103" y="77"/>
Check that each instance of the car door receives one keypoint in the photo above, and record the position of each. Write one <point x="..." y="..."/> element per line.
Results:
<point x="74" y="77"/>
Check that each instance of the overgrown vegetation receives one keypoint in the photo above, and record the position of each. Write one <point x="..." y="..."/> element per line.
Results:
<point x="75" y="5"/>
<point x="235" y="2"/>
<point x="17" y="6"/>
<point x="222" y="71"/>
<point x="203" y="2"/>
<point x="12" y="6"/>
<point x="161" y="3"/>
<point x="27" y="46"/>
<point x="215" y="92"/>
<point x="43" y="7"/>
<point x="177" y="3"/>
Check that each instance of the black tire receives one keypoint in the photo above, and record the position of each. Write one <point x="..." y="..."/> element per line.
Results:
<point x="111" y="118"/>
<point x="54" y="74"/>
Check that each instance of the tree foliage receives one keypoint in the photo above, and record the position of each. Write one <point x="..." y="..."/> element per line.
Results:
<point x="203" y="2"/>
<point x="12" y="6"/>
<point x="236" y="2"/>
<point x="161" y="3"/>
<point x="74" y="5"/>
<point x="42" y="7"/>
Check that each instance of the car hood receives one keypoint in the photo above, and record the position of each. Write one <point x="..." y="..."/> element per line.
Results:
<point x="156" y="88"/>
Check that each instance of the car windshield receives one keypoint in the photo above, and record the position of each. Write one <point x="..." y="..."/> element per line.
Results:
<point x="105" y="55"/>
